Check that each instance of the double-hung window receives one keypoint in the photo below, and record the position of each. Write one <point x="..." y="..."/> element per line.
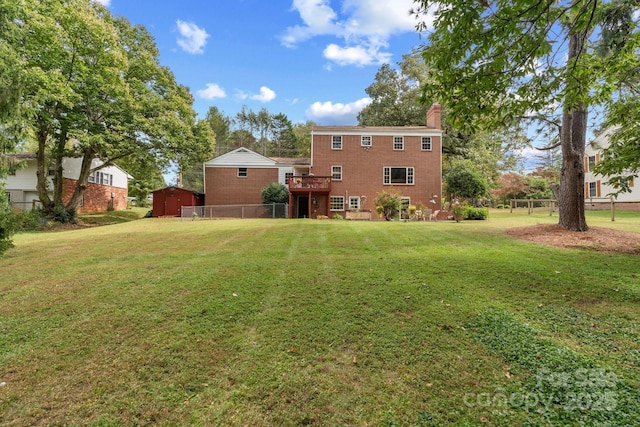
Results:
<point x="426" y="143"/>
<point x="336" y="142"/>
<point x="336" y="173"/>
<point x="365" y="141"/>
<point x="398" y="142"/>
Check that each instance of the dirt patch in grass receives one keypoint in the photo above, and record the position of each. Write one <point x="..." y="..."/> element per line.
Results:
<point x="596" y="238"/>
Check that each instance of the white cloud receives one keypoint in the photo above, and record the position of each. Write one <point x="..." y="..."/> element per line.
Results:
<point x="265" y="95"/>
<point x="192" y="38"/>
<point x="105" y="3"/>
<point x="356" y="55"/>
<point x="338" y="113"/>
<point x="212" y="91"/>
<point x="365" y="27"/>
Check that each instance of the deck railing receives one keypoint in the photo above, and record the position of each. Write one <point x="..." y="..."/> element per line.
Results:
<point x="305" y="183"/>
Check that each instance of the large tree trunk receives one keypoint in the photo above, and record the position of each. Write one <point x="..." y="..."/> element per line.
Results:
<point x="41" y="174"/>
<point x="572" y="140"/>
<point x="571" y="201"/>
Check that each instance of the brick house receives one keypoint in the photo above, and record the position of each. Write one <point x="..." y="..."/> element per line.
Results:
<point x="596" y="189"/>
<point x="107" y="187"/>
<point x="350" y="165"/>
<point x="238" y="177"/>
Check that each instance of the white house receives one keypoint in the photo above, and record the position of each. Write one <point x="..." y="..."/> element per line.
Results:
<point x="596" y="189"/>
<point x="107" y="187"/>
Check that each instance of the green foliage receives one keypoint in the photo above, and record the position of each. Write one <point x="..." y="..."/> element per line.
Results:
<point x="496" y="64"/>
<point x="275" y="193"/>
<point x="92" y="87"/>
<point x="337" y="216"/>
<point x="477" y="213"/>
<point x="64" y="215"/>
<point x="388" y="204"/>
<point x="30" y="220"/>
<point x="463" y="181"/>
<point x="395" y="95"/>
<point x="8" y="226"/>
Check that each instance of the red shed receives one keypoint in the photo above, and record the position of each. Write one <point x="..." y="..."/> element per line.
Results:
<point x="170" y="200"/>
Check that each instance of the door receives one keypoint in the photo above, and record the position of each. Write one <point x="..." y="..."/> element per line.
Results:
<point x="303" y="206"/>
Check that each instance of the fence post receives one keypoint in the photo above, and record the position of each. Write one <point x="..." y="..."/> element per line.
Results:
<point x="613" y="209"/>
<point x="511" y="206"/>
<point x="273" y="210"/>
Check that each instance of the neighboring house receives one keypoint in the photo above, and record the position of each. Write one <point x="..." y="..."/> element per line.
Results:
<point x="238" y="177"/>
<point x="596" y="189"/>
<point x="170" y="200"/>
<point x="107" y="187"/>
<point x="362" y="161"/>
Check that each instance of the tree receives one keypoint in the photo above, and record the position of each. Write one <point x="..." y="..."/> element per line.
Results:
<point x="221" y="127"/>
<point x="275" y="193"/>
<point x="395" y="95"/>
<point x="93" y="87"/>
<point x="492" y="63"/>
<point x="463" y="181"/>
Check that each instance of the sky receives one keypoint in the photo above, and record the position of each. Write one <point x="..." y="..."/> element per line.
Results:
<point x="309" y="59"/>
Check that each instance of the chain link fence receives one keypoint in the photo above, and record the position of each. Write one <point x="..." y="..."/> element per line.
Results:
<point x="274" y="210"/>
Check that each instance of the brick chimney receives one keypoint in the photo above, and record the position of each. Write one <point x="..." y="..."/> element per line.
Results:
<point x="434" y="116"/>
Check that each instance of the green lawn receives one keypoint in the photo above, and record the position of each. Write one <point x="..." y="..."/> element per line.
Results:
<point x="303" y="322"/>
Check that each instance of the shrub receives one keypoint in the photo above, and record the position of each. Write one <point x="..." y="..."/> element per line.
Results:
<point x="337" y="216"/>
<point x="7" y="223"/>
<point x="387" y="204"/>
<point x="275" y="193"/>
<point x="64" y="215"/>
<point x="28" y="220"/>
<point x="477" y="213"/>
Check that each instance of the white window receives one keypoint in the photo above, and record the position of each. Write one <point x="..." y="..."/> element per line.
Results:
<point x="593" y="189"/>
<point x="592" y="163"/>
<point x="365" y="141"/>
<point x="287" y="177"/>
<point x="336" y="203"/>
<point x="243" y="172"/>
<point x="398" y="142"/>
<point x="101" y="178"/>
<point x="395" y="175"/>
<point x="336" y="142"/>
<point x="426" y="143"/>
<point x="336" y="173"/>
<point x="354" y="202"/>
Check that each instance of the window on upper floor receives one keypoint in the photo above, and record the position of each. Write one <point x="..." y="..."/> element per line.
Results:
<point x="336" y="142"/>
<point x="287" y="177"/>
<point x="398" y="142"/>
<point x="336" y="173"/>
<point x="336" y="203"/>
<point x="365" y="141"/>
<point x="101" y="178"/>
<point x="592" y="163"/>
<point x="426" y="143"/>
<point x="398" y="175"/>
<point x="243" y="172"/>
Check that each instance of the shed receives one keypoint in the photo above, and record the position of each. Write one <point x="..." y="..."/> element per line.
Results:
<point x="169" y="201"/>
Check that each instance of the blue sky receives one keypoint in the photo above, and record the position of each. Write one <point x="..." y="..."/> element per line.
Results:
<point x="308" y="59"/>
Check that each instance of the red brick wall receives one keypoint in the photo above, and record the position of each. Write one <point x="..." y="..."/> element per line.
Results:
<point x="362" y="168"/>
<point x="224" y="187"/>
<point x="96" y="197"/>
